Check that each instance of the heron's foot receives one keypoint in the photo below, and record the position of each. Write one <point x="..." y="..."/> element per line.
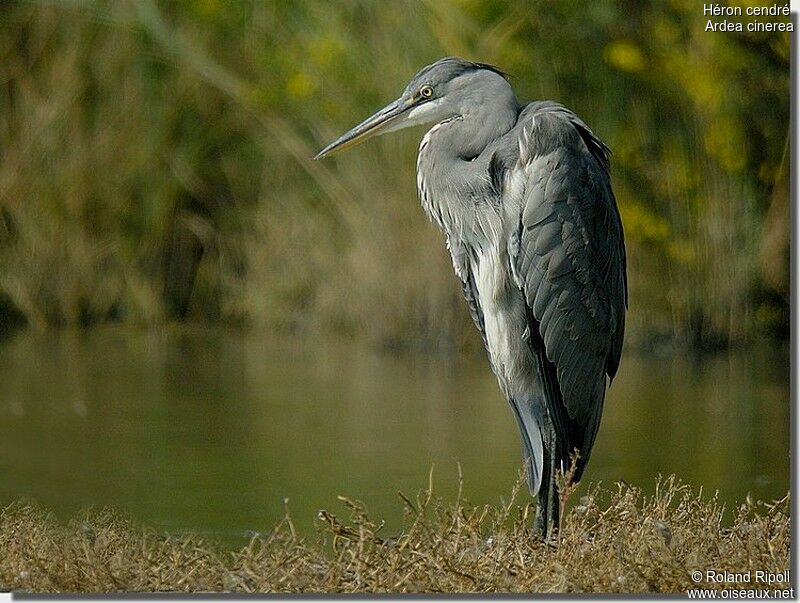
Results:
<point x="548" y="513"/>
<point x="545" y="528"/>
<point x="540" y="530"/>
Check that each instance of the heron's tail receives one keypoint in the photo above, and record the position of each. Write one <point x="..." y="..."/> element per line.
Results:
<point x="532" y="451"/>
<point x="541" y="464"/>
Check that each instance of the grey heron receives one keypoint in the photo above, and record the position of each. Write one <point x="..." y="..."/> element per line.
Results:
<point x="523" y="196"/>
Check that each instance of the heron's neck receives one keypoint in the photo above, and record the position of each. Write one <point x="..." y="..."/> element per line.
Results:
<point x="453" y="165"/>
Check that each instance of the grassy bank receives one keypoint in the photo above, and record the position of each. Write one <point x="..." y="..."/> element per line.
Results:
<point x="614" y="539"/>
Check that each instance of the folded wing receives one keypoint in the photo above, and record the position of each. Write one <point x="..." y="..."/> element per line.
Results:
<point x="570" y="265"/>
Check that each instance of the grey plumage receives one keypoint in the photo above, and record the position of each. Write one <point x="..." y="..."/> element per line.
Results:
<point x="523" y="196"/>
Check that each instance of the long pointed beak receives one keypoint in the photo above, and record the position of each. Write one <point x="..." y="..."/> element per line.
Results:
<point x="372" y="126"/>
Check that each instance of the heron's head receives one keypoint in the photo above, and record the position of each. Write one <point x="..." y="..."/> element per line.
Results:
<point x="442" y="90"/>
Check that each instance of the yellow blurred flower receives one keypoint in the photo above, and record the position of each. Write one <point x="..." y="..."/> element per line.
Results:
<point x="300" y="85"/>
<point x="325" y="50"/>
<point x="641" y="224"/>
<point x="723" y="141"/>
<point x="681" y="251"/>
<point x="207" y="8"/>
<point x="625" y="56"/>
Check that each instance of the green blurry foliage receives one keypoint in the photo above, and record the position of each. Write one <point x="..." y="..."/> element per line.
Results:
<point x="155" y="161"/>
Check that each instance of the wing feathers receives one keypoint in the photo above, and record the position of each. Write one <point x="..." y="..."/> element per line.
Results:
<point x="463" y="269"/>
<point x="560" y="264"/>
<point x="543" y="293"/>
<point x="536" y="212"/>
<point x="571" y="266"/>
<point x="547" y="237"/>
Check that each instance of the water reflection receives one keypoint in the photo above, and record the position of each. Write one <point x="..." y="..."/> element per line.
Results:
<point x="210" y="430"/>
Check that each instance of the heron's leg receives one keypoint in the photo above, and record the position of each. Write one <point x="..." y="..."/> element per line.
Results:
<point x="540" y="521"/>
<point x="553" y="500"/>
<point x="545" y="525"/>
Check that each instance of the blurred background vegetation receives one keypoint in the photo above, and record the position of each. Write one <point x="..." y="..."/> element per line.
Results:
<point x="155" y="162"/>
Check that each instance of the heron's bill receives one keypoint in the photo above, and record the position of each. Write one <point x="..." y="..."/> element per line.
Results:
<point x="372" y="126"/>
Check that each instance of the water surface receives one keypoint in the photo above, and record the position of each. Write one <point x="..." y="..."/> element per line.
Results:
<point x="211" y="430"/>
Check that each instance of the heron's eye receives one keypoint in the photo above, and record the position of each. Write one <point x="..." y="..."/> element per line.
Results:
<point x="426" y="92"/>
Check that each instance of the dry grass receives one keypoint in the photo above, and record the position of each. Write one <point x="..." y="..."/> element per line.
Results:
<point x="613" y="540"/>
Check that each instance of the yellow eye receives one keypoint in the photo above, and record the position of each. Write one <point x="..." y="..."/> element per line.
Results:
<point x="426" y="92"/>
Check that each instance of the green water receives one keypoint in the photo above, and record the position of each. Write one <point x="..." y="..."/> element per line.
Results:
<point x="210" y="431"/>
